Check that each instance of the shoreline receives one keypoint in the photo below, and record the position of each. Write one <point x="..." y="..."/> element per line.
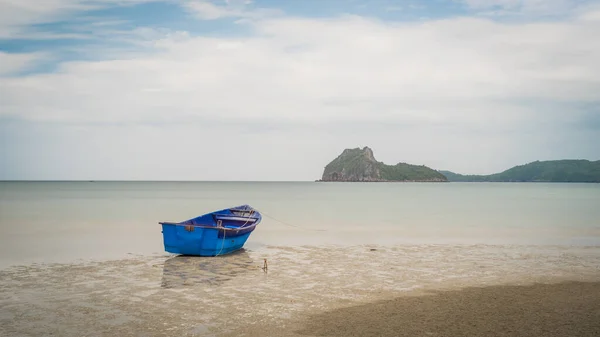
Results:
<point x="460" y="181"/>
<point x="567" y="308"/>
<point x="307" y="291"/>
<point x="63" y="261"/>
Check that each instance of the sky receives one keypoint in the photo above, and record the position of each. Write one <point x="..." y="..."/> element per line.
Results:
<point x="269" y="90"/>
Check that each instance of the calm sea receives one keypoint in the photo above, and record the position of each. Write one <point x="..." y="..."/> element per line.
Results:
<point x="70" y="221"/>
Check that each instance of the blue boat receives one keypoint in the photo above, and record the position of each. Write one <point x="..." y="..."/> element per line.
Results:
<point x="217" y="233"/>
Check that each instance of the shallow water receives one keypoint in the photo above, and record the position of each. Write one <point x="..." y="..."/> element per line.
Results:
<point x="83" y="258"/>
<point x="70" y="221"/>
<point x="149" y="296"/>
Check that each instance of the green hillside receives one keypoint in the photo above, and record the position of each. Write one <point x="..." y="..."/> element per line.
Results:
<point x="539" y="171"/>
<point x="409" y="172"/>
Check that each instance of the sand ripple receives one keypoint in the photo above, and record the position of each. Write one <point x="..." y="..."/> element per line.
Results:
<point x="166" y="295"/>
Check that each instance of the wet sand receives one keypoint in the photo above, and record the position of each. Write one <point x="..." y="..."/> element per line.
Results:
<point x="562" y="309"/>
<point x="312" y="291"/>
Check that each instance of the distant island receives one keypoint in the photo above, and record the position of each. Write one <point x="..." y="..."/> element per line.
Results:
<point x="357" y="164"/>
<point x="567" y="171"/>
<point x="360" y="165"/>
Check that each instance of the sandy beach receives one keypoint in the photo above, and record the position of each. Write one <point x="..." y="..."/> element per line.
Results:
<point x="559" y="309"/>
<point x="367" y="290"/>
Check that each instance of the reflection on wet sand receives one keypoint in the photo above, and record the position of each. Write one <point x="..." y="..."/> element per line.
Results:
<point x="196" y="296"/>
<point x="185" y="271"/>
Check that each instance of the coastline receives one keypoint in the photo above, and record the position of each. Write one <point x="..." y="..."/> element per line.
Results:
<point x="542" y="309"/>
<point x="382" y="181"/>
<point x="552" y="309"/>
<point x="363" y="290"/>
<point x="460" y="182"/>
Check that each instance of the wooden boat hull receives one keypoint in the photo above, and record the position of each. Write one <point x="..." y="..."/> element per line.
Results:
<point x="212" y="234"/>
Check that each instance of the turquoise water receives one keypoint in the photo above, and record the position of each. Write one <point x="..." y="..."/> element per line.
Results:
<point x="68" y="221"/>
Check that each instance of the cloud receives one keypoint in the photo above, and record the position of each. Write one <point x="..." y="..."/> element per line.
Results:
<point x="507" y="4"/>
<point x="393" y="9"/>
<point x="591" y="14"/>
<point x="313" y="70"/>
<point x="17" y="16"/>
<point x="525" y="7"/>
<point x="208" y="10"/>
<point x="14" y="63"/>
<point x="296" y="88"/>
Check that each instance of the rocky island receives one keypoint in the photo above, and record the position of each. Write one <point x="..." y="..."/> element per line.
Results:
<point x="360" y="165"/>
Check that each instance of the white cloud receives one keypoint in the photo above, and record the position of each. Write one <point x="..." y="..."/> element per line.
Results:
<point x="323" y="70"/>
<point x="591" y="15"/>
<point x="524" y="7"/>
<point x="17" y="15"/>
<point x="418" y="92"/>
<point x="509" y="4"/>
<point x="393" y="9"/>
<point x="13" y="63"/>
<point x="209" y="10"/>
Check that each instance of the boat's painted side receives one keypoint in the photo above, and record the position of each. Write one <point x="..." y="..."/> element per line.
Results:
<point x="211" y="234"/>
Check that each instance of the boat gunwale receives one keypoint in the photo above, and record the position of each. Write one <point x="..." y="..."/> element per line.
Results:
<point x="210" y="227"/>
